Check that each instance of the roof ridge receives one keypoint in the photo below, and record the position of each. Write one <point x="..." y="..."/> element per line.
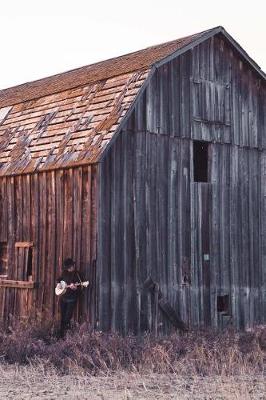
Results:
<point x="92" y="73"/>
<point x="163" y="44"/>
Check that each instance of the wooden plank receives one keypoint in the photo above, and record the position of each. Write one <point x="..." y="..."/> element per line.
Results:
<point x="68" y="213"/>
<point x="23" y="244"/>
<point x="179" y="221"/>
<point x="53" y="237"/>
<point x="50" y="243"/>
<point x="148" y="211"/>
<point x="19" y="208"/>
<point x="185" y="311"/>
<point x="140" y="229"/>
<point x="93" y="238"/>
<point x="185" y="73"/>
<point x="151" y="104"/>
<point x="115" y="182"/>
<point x="7" y="283"/>
<point x="85" y="234"/>
<point x="233" y="218"/>
<point x="130" y="271"/>
<point x="2" y="302"/>
<point x="215" y="226"/>
<point x="162" y="200"/>
<point x="206" y="275"/>
<point x="125" y="260"/>
<point x="94" y="207"/>
<point x="164" y="117"/>
<point x="174" y="98"/>
<point x="27" y="219"/>
<point x="105" y="278"/>
<point x="11" y="225"/>
<point x="172" y="215"/>
<point x="77" y="217"/>
<point x="3" y="209"/>
<point x="42" y="240"/>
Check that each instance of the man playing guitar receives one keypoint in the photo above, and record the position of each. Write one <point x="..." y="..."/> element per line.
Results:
<point x="72" y="279"/>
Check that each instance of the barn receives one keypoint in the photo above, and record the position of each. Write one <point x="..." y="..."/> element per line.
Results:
<point x="149" y="170"/>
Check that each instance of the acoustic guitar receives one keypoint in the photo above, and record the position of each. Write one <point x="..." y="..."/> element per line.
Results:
<point x="62" y="286"/>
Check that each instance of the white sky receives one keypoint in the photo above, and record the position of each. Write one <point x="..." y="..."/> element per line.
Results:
<point x="41" y="38"/>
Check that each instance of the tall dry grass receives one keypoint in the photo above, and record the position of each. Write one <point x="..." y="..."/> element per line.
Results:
<point x="203" y="353"/>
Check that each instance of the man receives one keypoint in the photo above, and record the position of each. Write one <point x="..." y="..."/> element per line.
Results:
<point x="69" y="299"/>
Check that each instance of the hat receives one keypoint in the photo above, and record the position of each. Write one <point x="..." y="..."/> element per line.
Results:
<point x="68" y="262"/>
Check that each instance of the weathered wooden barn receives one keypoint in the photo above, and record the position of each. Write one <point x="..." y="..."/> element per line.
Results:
<point x="149" y="165"/>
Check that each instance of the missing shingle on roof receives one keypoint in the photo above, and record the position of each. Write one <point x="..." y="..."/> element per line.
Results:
<point x="4" y="111"/>
<point x="45" y="120"/>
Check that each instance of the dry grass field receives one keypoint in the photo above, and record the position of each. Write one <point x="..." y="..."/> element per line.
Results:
<point x="28" y="382"/>
<point x="34" y="364"/>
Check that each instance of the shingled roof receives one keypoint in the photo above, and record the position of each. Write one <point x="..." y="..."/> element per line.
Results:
<point x="69" y="118"/>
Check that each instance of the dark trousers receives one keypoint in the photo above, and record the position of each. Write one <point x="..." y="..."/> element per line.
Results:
<point x="67" y="308"/>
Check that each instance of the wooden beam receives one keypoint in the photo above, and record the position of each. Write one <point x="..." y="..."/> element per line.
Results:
<point x="18" y="284"/>
<point x="24" y="244"/>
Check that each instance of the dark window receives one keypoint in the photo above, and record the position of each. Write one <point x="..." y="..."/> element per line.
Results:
<point x="200" y="160"/>
<point x="3" y="258"/>
<point x="223" y="304"/>
<point x="29" y="266"/>
<point x="23" y="263"/>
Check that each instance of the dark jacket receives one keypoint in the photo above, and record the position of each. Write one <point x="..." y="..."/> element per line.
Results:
<point x="71" y="277"/>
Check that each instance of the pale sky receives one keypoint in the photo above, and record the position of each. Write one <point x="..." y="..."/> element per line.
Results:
<point x="41" y="38"/>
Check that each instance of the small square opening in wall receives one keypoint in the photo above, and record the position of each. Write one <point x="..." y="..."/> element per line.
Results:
<point x="200" y="161"/>
<point x="223" y="304"/>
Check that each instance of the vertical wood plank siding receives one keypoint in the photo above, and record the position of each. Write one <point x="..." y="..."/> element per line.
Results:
<point x="197" y="240"/>
<point x="56" y="211"/>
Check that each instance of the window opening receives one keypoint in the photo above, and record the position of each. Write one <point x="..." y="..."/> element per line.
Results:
<point x="23" y="261"/>
<point x="223" y="304"/>
<point x="4" y="111"/>
<point x="200" y="160"/>
<point x="29" y="266"/>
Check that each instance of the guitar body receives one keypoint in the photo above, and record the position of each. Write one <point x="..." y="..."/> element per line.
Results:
<point x="62" y="286"/>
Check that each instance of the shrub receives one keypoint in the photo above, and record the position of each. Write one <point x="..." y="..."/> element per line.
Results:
<point x="197" y="352"/>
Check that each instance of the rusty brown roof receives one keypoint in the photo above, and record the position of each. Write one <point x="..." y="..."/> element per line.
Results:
<point x="69" y="118"/>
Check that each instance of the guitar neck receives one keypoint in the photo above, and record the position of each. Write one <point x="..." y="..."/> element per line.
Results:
<point x="76" y="284"/>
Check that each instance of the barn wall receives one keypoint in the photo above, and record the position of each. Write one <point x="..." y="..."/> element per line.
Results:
<point x="197" y="240"/>
<point x="207" y="93"/>
<point x="56" y="211"/>
<point x="135" y="221"/>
